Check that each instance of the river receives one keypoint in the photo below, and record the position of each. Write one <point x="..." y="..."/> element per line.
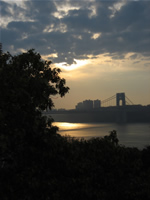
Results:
<point x="130" y="135"/>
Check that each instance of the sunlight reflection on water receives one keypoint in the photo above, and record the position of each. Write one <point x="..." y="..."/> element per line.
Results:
<point x="137" y="135"/>
<point x="86" y="130"/>
<point x="68" y="126"/>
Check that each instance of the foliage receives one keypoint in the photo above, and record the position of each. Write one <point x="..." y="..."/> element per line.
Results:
<point x="27" y="84"/>
<point x="77" y="169"/>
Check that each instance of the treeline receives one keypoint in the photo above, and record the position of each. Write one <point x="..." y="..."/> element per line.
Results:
<point x="60" y="168"/>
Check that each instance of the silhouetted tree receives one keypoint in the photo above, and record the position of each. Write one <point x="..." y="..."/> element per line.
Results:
<point x="26" y="84"/>
<point x="27" y="138"/>
<point x="112" y="137"/>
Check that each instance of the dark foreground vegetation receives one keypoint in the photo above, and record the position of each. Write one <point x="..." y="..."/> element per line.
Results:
<point x="36" y="163"/>
<point x="54" y="167"/>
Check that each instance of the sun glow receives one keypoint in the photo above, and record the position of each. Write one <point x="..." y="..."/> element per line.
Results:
<point x="77" y="64"/>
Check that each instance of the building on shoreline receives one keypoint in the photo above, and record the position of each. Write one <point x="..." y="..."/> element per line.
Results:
<point x="88" y="105"/>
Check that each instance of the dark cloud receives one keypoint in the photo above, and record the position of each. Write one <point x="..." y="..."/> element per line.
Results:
<point x="9" y="37"/>
<point x="71" y="34"/>
<point x="5" y="9"/>
<point x="128" y="15"/>
<point x="82" y="20"/>
<point x="24" y="27"/>
<point x="40" y="10"/>
<point x="133" y="16"/>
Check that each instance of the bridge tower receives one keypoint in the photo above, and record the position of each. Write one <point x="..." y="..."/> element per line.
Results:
<point x="120" y="97"/>
<point x="121" y="115"/>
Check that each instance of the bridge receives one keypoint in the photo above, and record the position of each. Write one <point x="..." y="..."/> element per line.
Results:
<point x="119" y="99"/>
<point x="115" y="109"/>
<point x="124" y="108"/>
<point x="120" y="103"/>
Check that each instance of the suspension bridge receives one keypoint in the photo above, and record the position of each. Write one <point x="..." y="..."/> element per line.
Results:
<point x="124" y="109"/>
<point x="117" y="108"/>
<point x="119" y="99"/>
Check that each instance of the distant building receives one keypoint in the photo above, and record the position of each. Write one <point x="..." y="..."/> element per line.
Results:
<point x="79" y="106"/>
<point x="97" y="103"/>
<point x="88" y="104"/>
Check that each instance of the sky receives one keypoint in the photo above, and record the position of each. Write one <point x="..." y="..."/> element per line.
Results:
<point x="102" y="47"/>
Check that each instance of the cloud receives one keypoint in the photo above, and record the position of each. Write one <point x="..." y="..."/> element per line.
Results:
<point x="5" y="9"/>
<point x="75" y="30"/>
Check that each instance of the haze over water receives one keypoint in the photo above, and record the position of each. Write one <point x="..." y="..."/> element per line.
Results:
<point x="130" y="135"/>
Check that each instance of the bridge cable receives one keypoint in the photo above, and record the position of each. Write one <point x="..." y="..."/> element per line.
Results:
<point x="108" y="99"/>
<point x="129" y="100"/>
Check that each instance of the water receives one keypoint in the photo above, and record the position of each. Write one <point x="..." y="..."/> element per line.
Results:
<point x="130" y="135"/>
